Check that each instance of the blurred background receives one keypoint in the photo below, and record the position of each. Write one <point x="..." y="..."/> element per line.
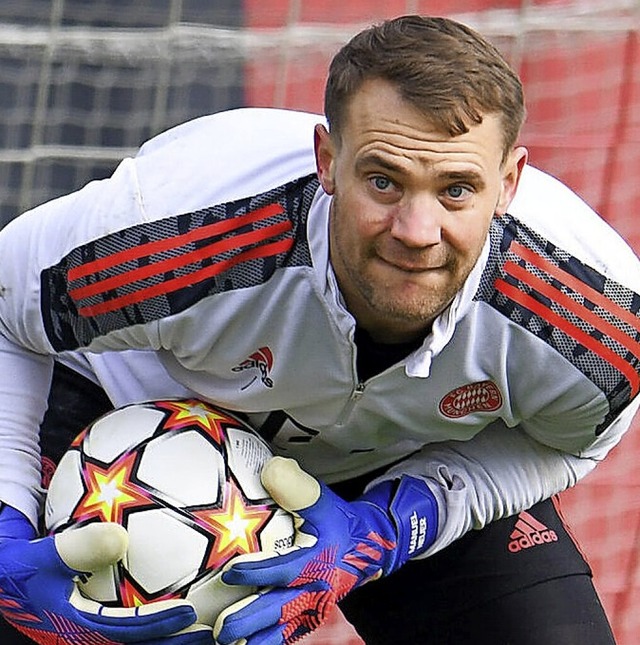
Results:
<point x="84" y="82"/>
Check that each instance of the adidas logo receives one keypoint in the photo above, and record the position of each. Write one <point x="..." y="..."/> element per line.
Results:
<point x="528" y="532"/>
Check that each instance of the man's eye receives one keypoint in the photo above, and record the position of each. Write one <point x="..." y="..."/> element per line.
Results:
<point x="381" y="183"/>
<point x="457" y="192"/>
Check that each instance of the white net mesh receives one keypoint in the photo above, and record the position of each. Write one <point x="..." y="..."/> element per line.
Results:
<point x="85" y="82"/>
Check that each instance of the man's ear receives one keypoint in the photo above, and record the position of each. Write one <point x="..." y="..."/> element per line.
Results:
<point x="325" y="158"/>
<point x="511" y="173"/>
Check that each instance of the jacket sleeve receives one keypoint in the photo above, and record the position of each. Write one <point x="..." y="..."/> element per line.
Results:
<point x="500" y="472"/>
<point x="29" y="244"/>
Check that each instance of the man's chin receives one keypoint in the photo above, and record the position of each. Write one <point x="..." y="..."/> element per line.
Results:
<point x="402" y="312"/>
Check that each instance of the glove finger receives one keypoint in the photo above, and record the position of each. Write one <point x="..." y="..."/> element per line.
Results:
<point x="133" y="624"/>
<point x="42" y="555"/>
<point x="298" y="492"/>
<point x="278" y="571"/>
<point x="196" y="634"/>
<point x="289" y="486"/>
<point x="92" y="547"/>
<point x="252" y="615"/>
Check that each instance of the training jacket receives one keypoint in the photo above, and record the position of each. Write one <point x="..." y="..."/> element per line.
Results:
<point x="200" y="268"/>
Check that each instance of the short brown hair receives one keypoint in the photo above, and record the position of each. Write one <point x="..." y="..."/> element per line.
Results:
<point x="445" y="69"/>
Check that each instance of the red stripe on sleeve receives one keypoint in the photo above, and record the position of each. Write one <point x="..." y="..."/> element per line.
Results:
<point x="569" y="304"/>
<point x="168" y="286"/>
<point x="568" y="328"/>
<point x="574" y="283"/>
<point x="158" y="246"/>
<point x="182" y="260"/>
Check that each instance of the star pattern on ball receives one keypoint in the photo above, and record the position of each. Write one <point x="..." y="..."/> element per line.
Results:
<point x="236" y="526"/>
<point x="193" y="412"/>
<point x="77" y="442"/>
<point x="131" y="594"/>
<point x="110" y="491"/>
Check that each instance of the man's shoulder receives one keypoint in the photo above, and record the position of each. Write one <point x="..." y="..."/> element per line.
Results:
<point x="224" y="157"/>
<point x="551" y="236"/>
<point x="552" y="211"/>
<point x="559" y="272"/>
<point x="546" y="203"/>
<point x="249" y="126"/>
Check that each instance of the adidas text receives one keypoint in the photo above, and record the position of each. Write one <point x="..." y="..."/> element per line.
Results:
<point x="533" y="539"/>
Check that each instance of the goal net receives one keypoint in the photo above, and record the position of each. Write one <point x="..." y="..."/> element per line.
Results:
<point x="84" y="82"/>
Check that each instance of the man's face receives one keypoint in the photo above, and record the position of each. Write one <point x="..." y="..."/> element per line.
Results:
<point x="411" y="208"/>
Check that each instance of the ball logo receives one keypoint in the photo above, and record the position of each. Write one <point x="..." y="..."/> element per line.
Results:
<point x="482" y="396"/>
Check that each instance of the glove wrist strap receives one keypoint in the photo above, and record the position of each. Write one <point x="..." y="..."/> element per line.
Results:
<point x="411" y="507"/>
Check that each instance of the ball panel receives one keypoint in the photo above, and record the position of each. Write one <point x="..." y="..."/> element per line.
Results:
<point x="183" y="467"/>
<point x="277" y="535"/>
<point x="121" y="430"/>
<point x="66" y="488"/>
<point x="164" y="553"/>
<point x="246" y="454"/>
<point x="102" y="586"/>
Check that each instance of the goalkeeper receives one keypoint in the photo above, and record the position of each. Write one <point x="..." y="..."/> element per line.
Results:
<point x="435" y="337"/>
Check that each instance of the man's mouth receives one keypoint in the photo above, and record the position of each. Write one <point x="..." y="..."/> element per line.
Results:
<point x="408" y="266"/>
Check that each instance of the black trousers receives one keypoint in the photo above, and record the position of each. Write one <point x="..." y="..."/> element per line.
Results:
<point x="519" y="581"/>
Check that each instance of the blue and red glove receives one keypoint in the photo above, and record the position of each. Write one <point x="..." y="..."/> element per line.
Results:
<point x="39" y="596"/>
<point x="339" y="546"/>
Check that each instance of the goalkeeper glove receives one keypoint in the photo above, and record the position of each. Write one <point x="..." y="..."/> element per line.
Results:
<point x="339" y="546"/>
<point x="39" y="597"/>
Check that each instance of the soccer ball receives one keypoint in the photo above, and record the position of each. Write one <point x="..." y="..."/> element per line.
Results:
<point x="183" y="477"/>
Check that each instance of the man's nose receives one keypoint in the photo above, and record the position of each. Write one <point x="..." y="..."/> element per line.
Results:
<point x="418" y="223"/>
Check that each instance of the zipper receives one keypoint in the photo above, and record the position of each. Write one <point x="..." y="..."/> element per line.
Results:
<point x="356" y="395"/>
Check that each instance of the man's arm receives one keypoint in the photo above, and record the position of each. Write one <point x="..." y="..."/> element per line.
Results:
<point x="498" y="473"/>
<point x="415" y="509"/>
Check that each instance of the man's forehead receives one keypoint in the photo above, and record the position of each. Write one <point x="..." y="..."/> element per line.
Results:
<point x="467" y="156"/>
<point x="377" y="109"/>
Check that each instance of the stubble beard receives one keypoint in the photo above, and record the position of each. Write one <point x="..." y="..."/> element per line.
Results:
<point x="413" y="306"/>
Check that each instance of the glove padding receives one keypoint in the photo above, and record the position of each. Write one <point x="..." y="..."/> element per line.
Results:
<point x="339" y="546"/>
<point x="38" y="594"/>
